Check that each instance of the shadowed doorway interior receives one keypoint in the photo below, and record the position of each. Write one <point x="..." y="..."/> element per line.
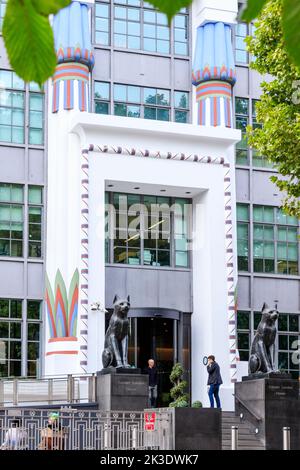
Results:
<point x="154" y="338"/>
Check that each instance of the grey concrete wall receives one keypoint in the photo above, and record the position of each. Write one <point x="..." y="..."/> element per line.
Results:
<point x="149" y="288"/>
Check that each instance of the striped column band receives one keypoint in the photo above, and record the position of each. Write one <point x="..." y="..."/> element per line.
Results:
<point x="231" y="276"/>
<point x="84" y="271"/>
<point x="70" y="73"/>
<point x="214" y="73"/>
<point x="217" y="95"/>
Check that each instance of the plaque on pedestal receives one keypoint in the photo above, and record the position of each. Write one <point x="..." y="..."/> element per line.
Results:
<point x="122" y="389"/>
<point x="270" y="404"/>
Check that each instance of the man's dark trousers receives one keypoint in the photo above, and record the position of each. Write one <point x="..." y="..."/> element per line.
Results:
<point x="214" y="392"/>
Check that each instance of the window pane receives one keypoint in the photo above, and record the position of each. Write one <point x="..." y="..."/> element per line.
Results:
<point x="35" y="195"/>
<point x="181" y="116"/>
<point x="4" y="308"/>
<point x="15" y="309"/>
<point x="120" y="93"/>
<point x="102" y="90"/>
<point x="101" y="108"/>
<point x="134" y="94"/>
<point x="242" y="212"/>
<point x="163" y="114"/>
<point x="181" y="99"/>
<point x="102" y="38"/>
<point x="181" y="259"/>
<point x="283" y="323"/>
<point x="243" y="321"/>
<point x="242" y="106"/>
<point x="150" y="113"/>
<point x="33" y="331"/>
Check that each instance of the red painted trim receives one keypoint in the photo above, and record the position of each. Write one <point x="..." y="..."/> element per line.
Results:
<point x="50" y="353"/>
<point x="51" y="314"/>
<point x="72" y="65"/>
<point x="62" y="339"/>
<point x="59" y="300"/>
<point x="74" y="301"/>
<point x="215" y="112"/>
<point x="212" y="92"/>
<point x="68" y="94"/>
<point x="59" y="76"/>
<point x="229" y="113"/>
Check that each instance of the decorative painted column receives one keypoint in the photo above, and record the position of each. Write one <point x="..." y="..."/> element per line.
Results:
<point x="214" y="74"/>
<point x="75" y="58"/>
<point x="66" y="297"/>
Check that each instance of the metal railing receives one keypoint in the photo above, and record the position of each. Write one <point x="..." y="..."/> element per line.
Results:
<point x="48" y="390"/>
<point x="69" y="429"/>
<point x="248" y="408"/>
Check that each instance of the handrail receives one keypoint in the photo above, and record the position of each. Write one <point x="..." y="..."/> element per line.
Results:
<point x="253" y="413"/>
<point x="15" y="391"/>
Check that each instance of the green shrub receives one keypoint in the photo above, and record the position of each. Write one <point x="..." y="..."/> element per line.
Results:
<point x="177" y="392"/>
<point x="197" y="404"/>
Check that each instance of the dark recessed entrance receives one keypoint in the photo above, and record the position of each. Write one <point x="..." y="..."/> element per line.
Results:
<point x="155" y="338"/>
<point x="162" y="335"/>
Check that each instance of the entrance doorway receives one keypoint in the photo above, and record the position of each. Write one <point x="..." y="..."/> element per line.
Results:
<point x="155" y="338"/>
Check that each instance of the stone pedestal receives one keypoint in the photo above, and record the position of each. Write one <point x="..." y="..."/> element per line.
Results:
<point x="270" y="403"/>
<point x="121" y="390"/>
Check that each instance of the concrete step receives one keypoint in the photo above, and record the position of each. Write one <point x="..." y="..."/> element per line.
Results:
<point x="247" y="439"/>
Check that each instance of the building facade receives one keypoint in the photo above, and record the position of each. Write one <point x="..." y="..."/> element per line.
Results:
<point x="125" y="176"/>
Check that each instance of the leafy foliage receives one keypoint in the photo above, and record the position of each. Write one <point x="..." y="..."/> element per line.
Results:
<point x="252" y="10"/>
<point x="28" y="37"/>
<point x="177" y="392"/>
<point x="290" y="23"/>
<point x="278" y="110"/>
<point x="170" y="8"/>
<point x="197" y="404"/>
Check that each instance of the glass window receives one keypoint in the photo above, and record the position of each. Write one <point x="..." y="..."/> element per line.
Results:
<point x="10" y="337"/>
<point x="181" y="103"/>
<point x="12" y="107"/>
<point x="127" y="27"/>
<point x="181" y="34"/>
<point x="36" y="118"/>
<point x="241" y="53"/>
<point x="243" y="236"/>
<point x="134" y="101"/>
<point x="33" y="337"/>
<point x="3" y="4"/>
<point x="35" y="221"/>
<point x="102" y="97"/>
<point x="141" y="231"/>
<point x="156" y="37"/>
<point x="102" y="23"/>
<point x="241" y="122"/>
<point x="11" y="220"/>
<point x="288" y="344"/>
<point x="275" y="246"/>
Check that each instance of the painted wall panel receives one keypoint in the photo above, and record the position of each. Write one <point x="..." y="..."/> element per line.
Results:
<point x="12" y="164"/>
<point x="36" y="166"/>
<point x="243" y="292"/>
<point x="35" y="281"/>
<point x="242" y="185"/>
<point x="264" y="191"/>
<point x="101" y="69"/>
<point x="149" y="287"/>
<point x="138" y="69"/>
<point x="12" y="279"/>
<point x="285" y="291"/>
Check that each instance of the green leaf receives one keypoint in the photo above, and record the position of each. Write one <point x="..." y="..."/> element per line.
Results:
<point x="48" y="7"/>
<point x="252" y="10"/>
<point x="291" y="29"/>
<point x="29" y="42"/>
<point x="170" y="7"/>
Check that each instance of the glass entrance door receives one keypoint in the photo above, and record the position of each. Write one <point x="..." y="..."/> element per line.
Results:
<point x="155" y="338"/>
